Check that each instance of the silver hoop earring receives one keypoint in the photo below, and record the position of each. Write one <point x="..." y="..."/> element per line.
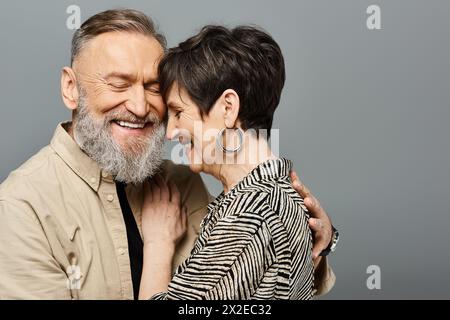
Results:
<point x="220" y="143"/>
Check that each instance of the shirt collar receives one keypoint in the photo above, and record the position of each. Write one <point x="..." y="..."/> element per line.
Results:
<point x="273" y="169"/>
<point x="69" y="151"/>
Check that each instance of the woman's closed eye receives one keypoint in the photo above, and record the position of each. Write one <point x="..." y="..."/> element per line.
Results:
<point x="175" y="113"/>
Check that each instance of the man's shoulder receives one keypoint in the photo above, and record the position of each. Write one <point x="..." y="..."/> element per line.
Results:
<point x="33" y="172"/>
<point x="171" y="168"/>
<point x="183" y="177"/>
<point x="190" y="184"/>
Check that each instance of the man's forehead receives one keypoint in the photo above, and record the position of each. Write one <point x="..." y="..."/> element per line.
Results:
<point x="124" y="52"/>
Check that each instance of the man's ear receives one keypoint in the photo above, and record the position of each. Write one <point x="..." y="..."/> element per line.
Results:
<point x="230" y="100"/>
<point x="69" y="89"/>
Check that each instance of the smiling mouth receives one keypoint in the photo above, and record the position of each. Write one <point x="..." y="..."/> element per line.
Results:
<point x="131" y="125"/>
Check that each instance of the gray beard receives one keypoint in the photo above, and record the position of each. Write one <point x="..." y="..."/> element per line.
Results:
<point x="142" y="159"/>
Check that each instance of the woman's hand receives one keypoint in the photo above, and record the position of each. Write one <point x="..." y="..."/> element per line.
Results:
<point x="163" y="225"/>
<point x="164" y="222"/>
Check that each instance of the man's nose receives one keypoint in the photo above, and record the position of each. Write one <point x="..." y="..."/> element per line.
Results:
<point x="137" y="104"/>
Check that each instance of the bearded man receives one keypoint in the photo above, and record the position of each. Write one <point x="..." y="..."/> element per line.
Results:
<point x="71" y="215"/>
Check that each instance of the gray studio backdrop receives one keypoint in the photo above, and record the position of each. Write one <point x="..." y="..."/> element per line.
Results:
<point x="364" y="116"/>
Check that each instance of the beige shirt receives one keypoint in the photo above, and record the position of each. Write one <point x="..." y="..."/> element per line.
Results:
<point x="62" y="233"/>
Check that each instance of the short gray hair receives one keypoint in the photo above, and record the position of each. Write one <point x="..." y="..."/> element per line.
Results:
<point x="126" y="20"/>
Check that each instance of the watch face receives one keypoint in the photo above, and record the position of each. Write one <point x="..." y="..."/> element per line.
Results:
<point x="335" y="240"/>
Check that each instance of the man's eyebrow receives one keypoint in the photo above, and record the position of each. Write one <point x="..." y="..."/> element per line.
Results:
<point x="151" y="82"/>
<point x="127" y="77"/>
<point x="120" y="75"/>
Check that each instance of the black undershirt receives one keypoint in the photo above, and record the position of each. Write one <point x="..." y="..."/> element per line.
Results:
<point x="135" y="244"/>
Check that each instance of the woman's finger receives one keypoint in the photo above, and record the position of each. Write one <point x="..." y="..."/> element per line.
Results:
<point x="156" y="190"/>
<point x="148" y="193"/>
<point x="165" y="193"/>
<point x="175" y="196"/>
<point x="184" y="218"/>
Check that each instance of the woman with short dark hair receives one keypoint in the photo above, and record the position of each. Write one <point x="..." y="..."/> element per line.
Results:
<point x="221" y="88"/>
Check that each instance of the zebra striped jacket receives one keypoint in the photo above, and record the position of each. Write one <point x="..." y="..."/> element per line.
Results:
<point x="254" y="243"/>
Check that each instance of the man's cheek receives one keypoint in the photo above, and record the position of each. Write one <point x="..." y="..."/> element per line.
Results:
<point x="157" y="104"/>
<point x="107" y="102"/>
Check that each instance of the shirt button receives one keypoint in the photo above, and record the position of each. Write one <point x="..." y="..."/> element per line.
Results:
<point x="93" y="180"/>
<point x="110" y="197"/>
<point x="105" y="174"/>
<point x="121" y="251"/>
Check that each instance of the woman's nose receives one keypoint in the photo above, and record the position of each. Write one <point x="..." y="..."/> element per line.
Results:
<point x="171" y="131"/>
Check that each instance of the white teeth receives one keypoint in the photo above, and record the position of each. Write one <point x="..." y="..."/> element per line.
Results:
<point x="131" y="125"/>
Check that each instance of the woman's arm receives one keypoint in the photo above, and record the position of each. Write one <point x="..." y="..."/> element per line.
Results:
<point x="228" y="263"/>
<point x="163" y="225"/>
<point x="156" y="270"/>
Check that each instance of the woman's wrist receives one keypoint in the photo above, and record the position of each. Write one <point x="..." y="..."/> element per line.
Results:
<point x="164" y="248"/>
<point x="157" y="268"/>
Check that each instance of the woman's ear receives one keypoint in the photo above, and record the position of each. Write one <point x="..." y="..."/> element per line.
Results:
<point x="230" y="100"/>
<point x="69" y="89"/>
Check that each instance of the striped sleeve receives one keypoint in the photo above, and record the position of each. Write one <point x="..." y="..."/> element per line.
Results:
<point x="231" y="264"/>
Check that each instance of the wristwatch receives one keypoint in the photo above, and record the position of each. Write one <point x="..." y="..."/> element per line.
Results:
<point x="333" y="243"/>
